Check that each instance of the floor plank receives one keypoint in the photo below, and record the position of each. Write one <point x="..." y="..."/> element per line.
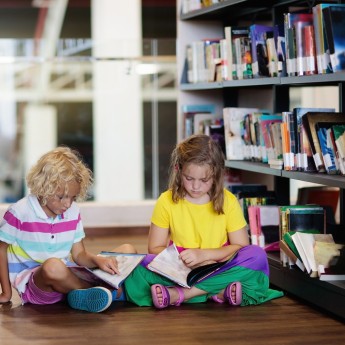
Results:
<point x="281" y="321"/>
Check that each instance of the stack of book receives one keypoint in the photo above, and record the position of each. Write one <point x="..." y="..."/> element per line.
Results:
<point x="305" y="44"/>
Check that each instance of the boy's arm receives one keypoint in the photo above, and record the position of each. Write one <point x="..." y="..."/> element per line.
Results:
<point x="84" y="258"/>
<point x="6" y="289"/>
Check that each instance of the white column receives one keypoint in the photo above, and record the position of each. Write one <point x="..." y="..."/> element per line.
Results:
<point x="117" y="103"/>
<point x="40" y="133"/>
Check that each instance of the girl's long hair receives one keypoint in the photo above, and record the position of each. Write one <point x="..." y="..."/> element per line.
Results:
<point x="201" y="150"/>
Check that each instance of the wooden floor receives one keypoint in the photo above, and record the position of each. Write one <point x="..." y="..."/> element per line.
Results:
<point x="278" y="322"/>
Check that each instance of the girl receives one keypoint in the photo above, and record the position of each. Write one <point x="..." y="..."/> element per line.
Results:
<point x="40" y="232"/>
<point x="206" y="223"/>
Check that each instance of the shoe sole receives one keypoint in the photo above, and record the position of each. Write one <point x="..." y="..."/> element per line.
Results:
<point x="94" y="300"/>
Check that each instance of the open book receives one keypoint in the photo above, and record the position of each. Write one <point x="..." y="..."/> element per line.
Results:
<point x="168" y="264"/>
<point x="96" y="276"/>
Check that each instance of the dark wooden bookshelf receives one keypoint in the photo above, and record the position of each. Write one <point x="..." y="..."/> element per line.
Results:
<point x="329" y="296"/>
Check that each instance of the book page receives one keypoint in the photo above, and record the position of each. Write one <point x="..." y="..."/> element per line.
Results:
<point x="126" y="264"/>
<point x="96" y="276"/>
<point x="168" y="264"/>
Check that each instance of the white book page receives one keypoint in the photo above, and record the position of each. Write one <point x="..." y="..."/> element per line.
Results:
<point x="168" y="264"/>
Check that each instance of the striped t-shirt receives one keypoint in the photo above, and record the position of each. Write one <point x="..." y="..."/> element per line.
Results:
<point x="33" y="237"/>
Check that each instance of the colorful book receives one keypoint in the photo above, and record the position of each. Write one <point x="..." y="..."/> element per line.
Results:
<point x="334" y="18"/>
<point x="309" y="121"/>
<point x="258" y="36"/>
<point x="305" y="159"/>
<point x="323" y="130"/>
<point x="234" y="144"/>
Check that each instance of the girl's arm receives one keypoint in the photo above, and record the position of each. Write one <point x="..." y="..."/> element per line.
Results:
<point x="6" y="289"/>
<point x="158" y="239"/>
<point x="196" y="257"/>
<point x="83" y="258"/>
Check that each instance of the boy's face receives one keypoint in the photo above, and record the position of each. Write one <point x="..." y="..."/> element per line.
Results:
<point x="62" y="200"/>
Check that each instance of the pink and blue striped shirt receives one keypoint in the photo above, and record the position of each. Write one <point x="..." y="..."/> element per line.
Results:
<point x="33" y="237"/>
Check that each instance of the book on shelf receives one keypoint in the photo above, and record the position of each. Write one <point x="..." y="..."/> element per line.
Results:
<point x="321" y="44"/>
<point x="188" y="113"/>
<point x="328" y="148"/>
<point x="335" y="261"/>
<point x="243" y="57"/>
<point x="216" y="132"/>
<point x="309" y="121"/>
<point x="305" y="244"/>
<point x="247" y="199"/>
<point x="234" y="144"/>
<point x="247" y="187"/>
<point x="293" y="258"/>
<point x="126" y="264"/>
<point x="294" y="41"/>
<point x="168" y="264"/>
<point x="294" y="218"/>
<point x="338" y="132"/>
<point x="212" y="59"/>
<point x="264" y="225"/>
<point x="334" y="18"/>
<point x="270" y="136"/>
<point x="229" y="53"/>
<point x="272" y="53"/>
<point x="289" y="133"/>
<point x="202" y="121"/>
<point x="258" y="37"/>
<point x="239" y="44"/>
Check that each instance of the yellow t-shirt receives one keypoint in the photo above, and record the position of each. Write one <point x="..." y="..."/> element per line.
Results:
<point x="198" y="226"/>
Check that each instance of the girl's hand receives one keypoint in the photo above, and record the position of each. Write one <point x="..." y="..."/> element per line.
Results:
<point x="107" y="264"/>
<point x="193" y="257"/>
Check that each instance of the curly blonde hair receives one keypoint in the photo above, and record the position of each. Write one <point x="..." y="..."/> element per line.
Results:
<point x="201" y="150"/>
<point x="55" y="169"/>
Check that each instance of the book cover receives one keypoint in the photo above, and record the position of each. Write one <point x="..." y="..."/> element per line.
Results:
<point x="247" y="187"/>
<point x="305" y="159"/>
<point x="234" y="144"/>
<point x="237" y="32"/>
<point x="229" y="52"/>
<point x="264" y="224"/>
<point x="334" y="18"/>
<point x="338" y="137"/>
<point x="293" y="24"/>
<point x="168" y="264"/>
<point x="336" y="265"/>
<point x="305" y="243"/>
<point x="306" y="217"/>
<point x="322" y="51"/>
<point x="309" y="121"/>
<point x="267" y="143"/>
<point x="323" y="130"/>
<point x="126" y="264"/>
<point x="293" y="258"/>
<point x="258" y="36"/>
<point x="188" y="112"/>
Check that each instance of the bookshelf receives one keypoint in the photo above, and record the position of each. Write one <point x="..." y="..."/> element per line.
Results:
<point x="264" y="93"/>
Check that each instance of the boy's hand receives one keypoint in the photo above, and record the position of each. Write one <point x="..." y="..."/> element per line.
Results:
<point x="108" y="264"/>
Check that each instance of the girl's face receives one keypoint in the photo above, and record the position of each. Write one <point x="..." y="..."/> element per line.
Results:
<point x="62" y="201"/>
<point x="197" y="181"/>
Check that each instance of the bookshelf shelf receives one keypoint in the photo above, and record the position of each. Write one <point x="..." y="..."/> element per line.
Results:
<point x="210" y="22"/>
